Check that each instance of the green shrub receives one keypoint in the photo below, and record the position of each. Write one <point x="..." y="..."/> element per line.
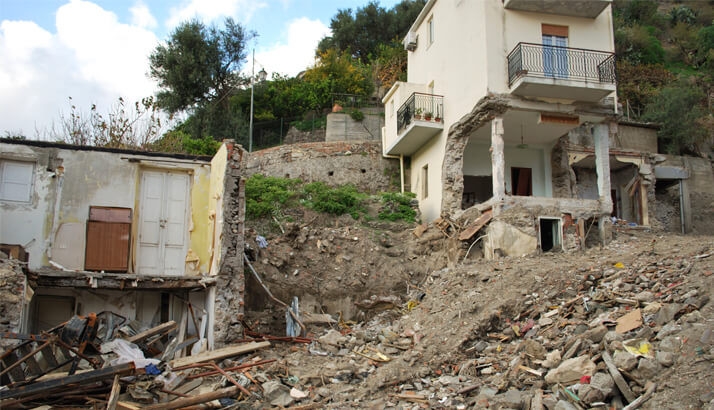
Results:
<point x="357" y="115"/>
<point x="337" y="201"/>
<point x="266" y="196"/>
<point x="397" y="207"/>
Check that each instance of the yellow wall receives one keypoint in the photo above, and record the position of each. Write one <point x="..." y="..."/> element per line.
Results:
<point x="215" y="205"/>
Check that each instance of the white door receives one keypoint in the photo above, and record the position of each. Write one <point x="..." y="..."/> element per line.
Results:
<point x="162" y="223"/>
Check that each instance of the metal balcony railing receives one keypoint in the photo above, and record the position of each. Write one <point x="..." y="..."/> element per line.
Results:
<point x="545" y="61"/>
<point x="422" y="107"/>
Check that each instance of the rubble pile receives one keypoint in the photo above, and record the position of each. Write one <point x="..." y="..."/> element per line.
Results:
<point x="600" y="332"/>
<point x="624" y="326"/>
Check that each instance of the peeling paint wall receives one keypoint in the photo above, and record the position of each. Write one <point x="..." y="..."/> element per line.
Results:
<point x="68" y="180"/>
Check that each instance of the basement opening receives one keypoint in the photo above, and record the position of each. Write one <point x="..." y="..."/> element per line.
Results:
<point x="549" y="231"/>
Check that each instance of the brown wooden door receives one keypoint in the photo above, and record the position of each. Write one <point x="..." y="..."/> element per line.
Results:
<point x="108" y="239"/>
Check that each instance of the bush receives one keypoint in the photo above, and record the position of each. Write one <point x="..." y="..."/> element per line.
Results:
<point x="397" y="207"/>
<point x="265" y="196"/>
<point x="357" y="115"/>
<point x="337" y="201"/>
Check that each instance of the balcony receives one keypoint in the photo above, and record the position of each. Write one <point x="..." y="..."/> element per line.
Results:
<point x="574" y="8"/>
<point x="418" y="120"/>
<point x="536" y="70"/>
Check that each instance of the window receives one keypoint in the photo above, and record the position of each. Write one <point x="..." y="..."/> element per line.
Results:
<point x="430" y="27"/>
<point x="555" y="55"/>
<point x="425" y="181"/>
<point x="16" y="180"/>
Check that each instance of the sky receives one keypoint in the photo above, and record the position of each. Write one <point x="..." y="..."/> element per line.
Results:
<point x="97" y="51"/>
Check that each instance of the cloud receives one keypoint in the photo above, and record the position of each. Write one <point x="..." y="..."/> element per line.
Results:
<point x="141" y="16"/>
<point x="298" y="54"/>
<point x="211" y="10"/>
<point x="92" y="57"/>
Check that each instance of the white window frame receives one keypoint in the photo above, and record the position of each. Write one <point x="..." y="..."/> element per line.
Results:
<point x="26" y="181"/>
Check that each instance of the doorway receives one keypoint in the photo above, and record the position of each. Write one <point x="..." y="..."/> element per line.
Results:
<point x="550" y="236"/>
<point x="522" y="181"/>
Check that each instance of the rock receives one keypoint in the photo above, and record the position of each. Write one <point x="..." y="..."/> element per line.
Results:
<point x="651" y="308"/>
<point x="666" y="359"/>
<point x="613" y="336"/>
<point x="667" y="313"/>
<point x="668" y="329"/>
<point x="645" y="296"/>
<point x="603" y="382"/>
<point x="571" y="370"/>
<point x="647" y="369"/>
<point x="534" y="349"/>
<point x="552" y="359"/>
<point x="277" y="393"/>
<point x="595" y="334"/>
<point x="624" y="360"/>
<point x="512" y="398"/>
<point x="333" y="338"/>
<point x="564" y="405"/>
<point x="590" y="394"/>
<point x="670" y="344"/>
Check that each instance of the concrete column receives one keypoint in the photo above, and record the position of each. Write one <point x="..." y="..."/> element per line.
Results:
<point x="498" y="161"/>
<point x="601" y="133"/>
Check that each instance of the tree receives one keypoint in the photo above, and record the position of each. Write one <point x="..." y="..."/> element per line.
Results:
<point x="680" y="111"/>
<point x="362" y="32"/>
<point x="122" y="127"/>
<point x="198" y="64"/>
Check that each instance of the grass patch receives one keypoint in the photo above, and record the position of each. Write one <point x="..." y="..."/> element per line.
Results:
<point x="397" y="207"/>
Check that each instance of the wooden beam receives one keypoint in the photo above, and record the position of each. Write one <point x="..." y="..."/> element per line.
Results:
<point x="66" y="382"/>
<point x="218" y="354"/>
<point x="162" y="328"/>
<point x="201" y="398"/>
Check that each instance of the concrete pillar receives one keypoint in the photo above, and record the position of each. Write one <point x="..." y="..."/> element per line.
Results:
<point x="498" y="161"/>
<point x="601" y="134"/>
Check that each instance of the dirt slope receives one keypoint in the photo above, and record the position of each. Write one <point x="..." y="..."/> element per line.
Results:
<point x="434" y="331"/>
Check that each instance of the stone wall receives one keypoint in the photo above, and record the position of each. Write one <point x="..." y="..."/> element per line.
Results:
<point x="230" y="287"/>
<point x="334" y="163"/>
<point x="12" y="293"/>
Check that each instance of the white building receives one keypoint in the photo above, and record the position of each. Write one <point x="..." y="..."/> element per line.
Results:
<point x="503" y="81"/>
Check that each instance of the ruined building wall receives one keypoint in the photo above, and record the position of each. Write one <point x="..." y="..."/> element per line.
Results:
<point x="230" y="286"/>
<point x="334" y="163"/>
<point x="12" y="294"/>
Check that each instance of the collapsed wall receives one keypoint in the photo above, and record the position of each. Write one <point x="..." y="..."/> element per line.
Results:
<point x="230" y="286"/>
<point x="12" y="293"/>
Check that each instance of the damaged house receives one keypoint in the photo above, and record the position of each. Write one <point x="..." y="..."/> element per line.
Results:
<point x="152" y="237"/>
<point x="510" y="110"/>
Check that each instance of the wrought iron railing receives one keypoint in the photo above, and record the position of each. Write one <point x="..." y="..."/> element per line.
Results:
<point x="420" y="107"/>
<point x="537" y="60"/>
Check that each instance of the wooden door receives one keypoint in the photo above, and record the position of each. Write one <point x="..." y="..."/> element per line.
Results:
<point x="162" y="223"/>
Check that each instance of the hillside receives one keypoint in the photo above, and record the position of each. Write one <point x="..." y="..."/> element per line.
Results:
<point x="436" y="329"/>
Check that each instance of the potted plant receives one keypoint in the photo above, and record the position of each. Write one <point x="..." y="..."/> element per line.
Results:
<point x="428" y="115"/>
<point x="437" y="118"/>
<point x="337" y="107"/>
<point x="417" y="113"/>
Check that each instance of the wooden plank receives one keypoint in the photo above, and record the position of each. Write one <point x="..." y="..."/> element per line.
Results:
<point x="114" y="394"/>
<point x="201" y="398"/>
<point x="219" y="354"/>
<point x="474" y="227"/>
<point x="125" y="405"/>
<point x="162" y="328"/>
<point x="58" y="384"/>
